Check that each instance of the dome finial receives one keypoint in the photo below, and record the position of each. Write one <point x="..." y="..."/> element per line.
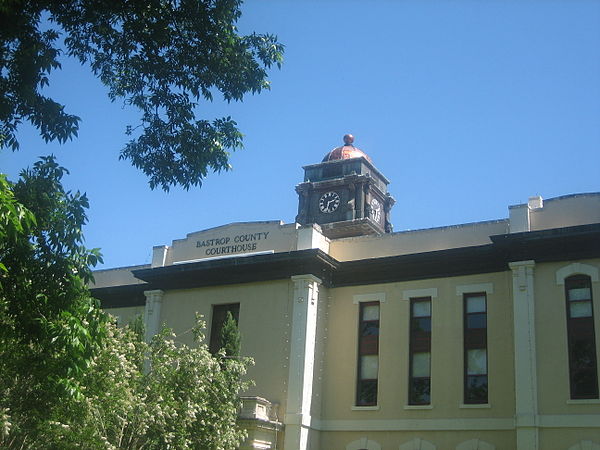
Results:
<point x="346" y="151"/>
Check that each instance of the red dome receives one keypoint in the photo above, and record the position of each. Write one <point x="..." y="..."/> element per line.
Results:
<point x="346" y="151"/>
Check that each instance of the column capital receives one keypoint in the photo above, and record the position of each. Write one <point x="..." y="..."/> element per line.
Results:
<point x="155" y="294"/>
<point x="306" y="277"/>
<point x="516" y="265"/>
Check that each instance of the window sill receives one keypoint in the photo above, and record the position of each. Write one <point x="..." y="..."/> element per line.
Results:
<point x="584" y="401"/>
<point x="418" y="406"/>
<point x="365" y="408"/>
<point x="474" y="406"/>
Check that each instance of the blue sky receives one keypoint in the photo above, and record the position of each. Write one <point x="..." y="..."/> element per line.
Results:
<point x="466" y="106"/>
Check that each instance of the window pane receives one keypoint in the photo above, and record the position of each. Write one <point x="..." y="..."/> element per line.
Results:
<point x="370" y="312"/>
<point x="421" y="364"/>
<point x="476" y="304"/>
<point x="369" y="328"/>
<point x="368" y="345"/>
<point x="477" y="320"/>
<point x="421" y="309"/>
<point x="583" y="354"/>
<point x="476" y="389"/>
<point x="420" y="391"/>
<point x="584" y="383"/>
<point x="580" y="294"/>
<point x="368" y="367"/>
<point x="477" y="361"/>
<point x="581" y="309"/>
<point x="422" y="324"/>
<point x="367" y="392"/>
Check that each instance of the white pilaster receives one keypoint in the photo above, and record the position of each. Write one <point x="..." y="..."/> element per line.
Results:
<point x="152" y="312"/>
<point x="526" y="396"/>
<point x="302" y="354"/>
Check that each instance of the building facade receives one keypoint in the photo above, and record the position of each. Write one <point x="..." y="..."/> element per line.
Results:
<point x="470" y="337"/>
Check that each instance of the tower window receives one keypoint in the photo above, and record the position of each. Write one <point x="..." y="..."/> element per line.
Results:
<point x="583" y="372"/>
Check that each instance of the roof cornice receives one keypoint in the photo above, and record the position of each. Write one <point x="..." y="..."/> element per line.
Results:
<point x="245" y="269"/>
<point x="570" y="243"/>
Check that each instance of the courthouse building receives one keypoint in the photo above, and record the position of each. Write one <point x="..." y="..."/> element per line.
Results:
<point x="470" y="337"/>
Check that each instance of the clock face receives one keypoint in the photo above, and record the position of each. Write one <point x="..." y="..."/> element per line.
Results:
<point x="375" y="210"/>
<point x="329" y="202"/>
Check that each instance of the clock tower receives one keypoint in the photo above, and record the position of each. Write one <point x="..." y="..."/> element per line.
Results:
<point x="345" y="194"/>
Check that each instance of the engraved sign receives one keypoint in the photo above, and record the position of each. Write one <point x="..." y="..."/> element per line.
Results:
<point x="239" y="243"/>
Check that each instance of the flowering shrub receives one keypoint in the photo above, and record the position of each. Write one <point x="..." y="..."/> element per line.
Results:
<point x="164" y="395"/>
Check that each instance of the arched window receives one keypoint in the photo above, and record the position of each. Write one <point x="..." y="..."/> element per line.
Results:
<point x="363" y="444"/>
<point x="585" y="445"/>
<point x="475" y="444"/>
<point x="417" y="444"/>
<point x="583" y="373"/>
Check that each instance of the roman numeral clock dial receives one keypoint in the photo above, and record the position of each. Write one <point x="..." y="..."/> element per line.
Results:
<point x="329" y="202"/>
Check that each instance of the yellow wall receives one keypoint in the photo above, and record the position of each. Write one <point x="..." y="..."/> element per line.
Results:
<point x="561" y="439"/>
<point x="443" y="440"/>
<point x="264" y="327"/>
<point x="446" y="353"/>
<point x="125" y="315"/>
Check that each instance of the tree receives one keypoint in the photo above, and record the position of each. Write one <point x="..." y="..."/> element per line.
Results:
<point x="230" y="336"/>
<point x="159" y="56"/>
<point x="50" y="328"/>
